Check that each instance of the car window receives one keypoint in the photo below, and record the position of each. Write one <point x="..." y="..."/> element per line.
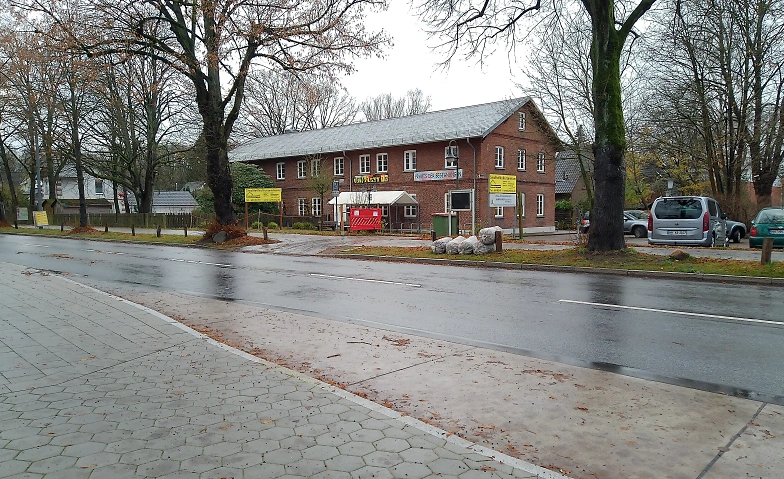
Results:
<point x="713" y="208"/>
<point x="770" y="216"/>
<point x="678" y="208"/>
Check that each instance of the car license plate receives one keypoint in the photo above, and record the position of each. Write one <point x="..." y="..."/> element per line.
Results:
<point x="776" y="232"/>
<point x="676" y="232"/>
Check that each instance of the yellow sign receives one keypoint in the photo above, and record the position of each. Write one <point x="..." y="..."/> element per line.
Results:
<point x="503" y="184"/>
<point x="263" y="195"/>
<point x="40" y="218"/>
<point x="380" y="178"/>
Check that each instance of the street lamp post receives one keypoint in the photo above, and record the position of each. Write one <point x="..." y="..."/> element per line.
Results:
<point x="452" y="156"/>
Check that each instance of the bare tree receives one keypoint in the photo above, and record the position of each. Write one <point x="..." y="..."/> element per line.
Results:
<point x="319" y="181"/>
<point x="475" y="26"/>
<point x="143" y="116"/>
<point x="215" y="43"/>
<point x="276" y="102"/>
<point x="386" y="105"/>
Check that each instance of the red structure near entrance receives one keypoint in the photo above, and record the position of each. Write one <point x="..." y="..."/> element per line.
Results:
<point x="365" y="219"/>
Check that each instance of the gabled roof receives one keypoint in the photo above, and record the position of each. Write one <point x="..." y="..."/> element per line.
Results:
<point x="567" y="171"/>
<point x="456" y="123"/>
<point x="167" y="199"/>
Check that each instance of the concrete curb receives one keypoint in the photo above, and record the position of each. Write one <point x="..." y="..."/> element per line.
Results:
<point x="527" y="467"/>
<point x="709" y="278"/>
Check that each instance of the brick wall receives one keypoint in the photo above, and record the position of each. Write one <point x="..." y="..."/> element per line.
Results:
<point x="430" y="157"/>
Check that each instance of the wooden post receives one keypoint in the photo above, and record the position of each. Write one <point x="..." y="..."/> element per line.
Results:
<point x="264" y="230"/>
<point x="133" y="230"/>
<point x="62" y="226"/>
<point x="499" y="242"/>
<point x="158" y="231"/>
<point x="185" y="229"/>
<point x="280" y="208"/>
<point x="520" y="214"/>
<point x="106" y="227"/>
<point x="16" y="225"/>
<point x="767" y="251"/>
<point x="433" y="235"/>
<point x="246" y="216"/>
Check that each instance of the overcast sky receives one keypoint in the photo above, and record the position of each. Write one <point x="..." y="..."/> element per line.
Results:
<point x="411" y="64"/>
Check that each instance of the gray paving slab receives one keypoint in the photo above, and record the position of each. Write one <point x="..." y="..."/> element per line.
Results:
<point x="96" y="386"/>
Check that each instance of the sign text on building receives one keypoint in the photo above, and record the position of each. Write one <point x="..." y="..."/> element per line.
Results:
<point x="263" y="195"/>
<point x="438" y="175"/>
<point x="503" y="184"/>
<point x="381" y="178"/>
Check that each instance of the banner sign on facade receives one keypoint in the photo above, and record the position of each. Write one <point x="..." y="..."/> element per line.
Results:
<point x="379" y="178"/>
<point x="438" y="175"/>
<point x="503" y="184"/>
<point x="503" y="199"/>
<point x="263" y="195"/>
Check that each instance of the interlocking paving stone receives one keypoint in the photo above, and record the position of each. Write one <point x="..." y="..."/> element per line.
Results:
<point x="112" y="390"/>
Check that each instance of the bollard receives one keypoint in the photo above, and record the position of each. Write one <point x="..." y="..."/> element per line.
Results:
<point x="433" y="235"/>
<point x="499" y="242"/>
<point x="16" y="225"/>
<point x="767" y="251"/>
<point x="158" y="231"/>
<point x="133" y="230"/>
<point x="185" y="229"/>
<point x="264" y="230"/>
<point x="106" y="227"/>
<point x="62" y="226"/>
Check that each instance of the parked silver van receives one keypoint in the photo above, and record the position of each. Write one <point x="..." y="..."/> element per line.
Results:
<point x="687" y="220"/>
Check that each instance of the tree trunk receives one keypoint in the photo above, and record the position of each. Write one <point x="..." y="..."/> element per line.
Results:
<point x="80" y="186"/>
<point x="610" y="142"/>
<point x="218" y="172"/>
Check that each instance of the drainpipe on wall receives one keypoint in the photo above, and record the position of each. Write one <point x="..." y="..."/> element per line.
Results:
<point x="473" y="206"/>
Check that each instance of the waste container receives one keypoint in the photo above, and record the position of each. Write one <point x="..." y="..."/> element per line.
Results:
<point x="441" y="224"/>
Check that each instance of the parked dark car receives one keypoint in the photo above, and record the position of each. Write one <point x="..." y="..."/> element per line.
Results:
<point x="769" y="223"/>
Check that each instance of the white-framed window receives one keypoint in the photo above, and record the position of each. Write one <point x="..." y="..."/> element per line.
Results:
<point x="302" y="170"/>
<point x="540" y="162"/>
<point x="453" y="151"/>
<point x="315" y="168"/>
<point x="409" y="160"/>
<point x="382" y="162"/>
<point x="280" y="171"/>
<point x="521" y="121"/>
<point x="410" y="211"/>
<point x="364" y="164"/>
<point x="521" y="159"/>
<point x="499" y="211"/>
<point x="302" y="206"/>
<point x="315" y="206"/>
<point x="98" y="187"/>
<point x="499" y="157"/>
<point x="385" y="211"/>
<point x="338" y="166"/>
<point x="540" y="205"/>
<point x="522" y="204"/>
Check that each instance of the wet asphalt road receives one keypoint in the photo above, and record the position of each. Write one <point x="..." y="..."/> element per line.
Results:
<point x="710" y="336"/>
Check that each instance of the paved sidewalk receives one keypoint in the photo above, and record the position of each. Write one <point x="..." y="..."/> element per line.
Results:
<point x="95" y="386"/>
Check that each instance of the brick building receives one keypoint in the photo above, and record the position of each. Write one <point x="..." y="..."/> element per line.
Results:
<point x="416" y="154"/>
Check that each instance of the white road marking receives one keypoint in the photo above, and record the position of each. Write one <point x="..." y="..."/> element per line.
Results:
<point x="329" y="276"/>
<point x="667" y="311"/>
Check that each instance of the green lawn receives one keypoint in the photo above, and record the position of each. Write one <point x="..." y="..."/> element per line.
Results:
<point x="111" y="235"/>
<point x="628" y="259"/>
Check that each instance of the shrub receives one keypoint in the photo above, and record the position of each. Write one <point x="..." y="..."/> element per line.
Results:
<point x="256" y="225"/>
<point x="303" y="226"/>
<point x="272" y="225"/>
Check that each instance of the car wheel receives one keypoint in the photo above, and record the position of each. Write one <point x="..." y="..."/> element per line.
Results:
<point x="640" y="232"/>
<point x="736" y="235"/>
